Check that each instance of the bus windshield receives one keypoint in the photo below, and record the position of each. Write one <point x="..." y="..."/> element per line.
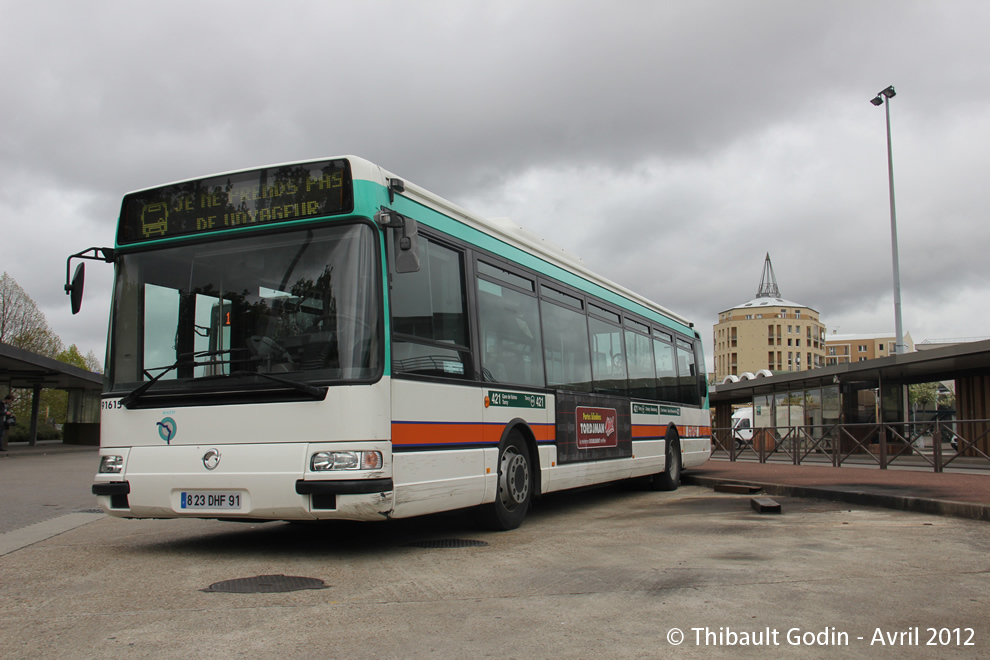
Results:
<point x="240" y="313"/>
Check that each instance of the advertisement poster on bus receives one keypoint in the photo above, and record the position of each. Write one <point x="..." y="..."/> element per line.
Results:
<point x="592" y="427"/>
<point x="596" y="427"/>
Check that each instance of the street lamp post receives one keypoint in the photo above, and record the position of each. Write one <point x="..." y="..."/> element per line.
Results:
<point x="881" y="96"/>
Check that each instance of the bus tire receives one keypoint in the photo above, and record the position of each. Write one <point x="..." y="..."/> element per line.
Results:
<point x="670" y="478"/>
<point x="515" y="485"/>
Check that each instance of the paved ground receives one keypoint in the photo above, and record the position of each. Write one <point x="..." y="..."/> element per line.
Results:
<point x="944" y="493"/>
<point x="609" y="572"/>
<point x="43" y="482"/>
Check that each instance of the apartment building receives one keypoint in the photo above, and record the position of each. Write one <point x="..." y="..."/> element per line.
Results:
<point x="861" y="347"/>
<point x="768" y="332"/>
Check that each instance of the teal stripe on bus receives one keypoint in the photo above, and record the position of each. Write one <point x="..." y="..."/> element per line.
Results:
<point x="457" y="229"/>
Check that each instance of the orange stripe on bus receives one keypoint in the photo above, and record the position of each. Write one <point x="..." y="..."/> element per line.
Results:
<point x="658" y="431"/>
<point x="694" y="431"/>
<point x="647" y="431"/>
<point x="431" y="433"/>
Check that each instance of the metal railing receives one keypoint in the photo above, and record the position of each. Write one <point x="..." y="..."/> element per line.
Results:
<point x="931" y="445"/>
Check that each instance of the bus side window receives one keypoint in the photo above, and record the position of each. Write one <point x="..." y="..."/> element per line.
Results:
<point x="609" y="357"/>
<point x="666" y="371"/>
<point x="510" y="333"/>
<point x="566" y="348"/>
<point x="687" y="374"/>
<point x="429" y="321"/>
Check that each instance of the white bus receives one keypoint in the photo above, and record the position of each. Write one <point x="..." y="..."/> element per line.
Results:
<point x="322" y="340"/>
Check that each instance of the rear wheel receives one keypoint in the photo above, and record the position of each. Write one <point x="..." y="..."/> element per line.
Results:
<point x="515" y="485"/>
<point x="670" y="478"/>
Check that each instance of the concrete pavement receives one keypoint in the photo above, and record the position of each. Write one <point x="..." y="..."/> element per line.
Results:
<point x="606" y="572"/>
<point x="944" y="493"/>
<point x="599" y="573"/>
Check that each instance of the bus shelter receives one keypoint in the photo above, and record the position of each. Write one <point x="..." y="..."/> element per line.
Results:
<point x="22" y="369"/>
<point x="857" y="394"/>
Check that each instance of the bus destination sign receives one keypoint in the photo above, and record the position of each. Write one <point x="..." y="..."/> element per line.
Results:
<point x="244" y="199"/>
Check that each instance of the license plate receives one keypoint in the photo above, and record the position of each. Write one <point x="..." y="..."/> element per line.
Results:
<point x="195" y="499"/>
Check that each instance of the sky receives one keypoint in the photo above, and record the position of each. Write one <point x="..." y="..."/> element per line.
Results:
<point x="669" y="144"/>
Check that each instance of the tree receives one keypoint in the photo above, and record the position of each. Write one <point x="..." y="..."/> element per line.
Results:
<point x="93" y="363"/>
<point x="22" y="324"/>
<point x="72" y="356"/>
<point x="923" y="395"/>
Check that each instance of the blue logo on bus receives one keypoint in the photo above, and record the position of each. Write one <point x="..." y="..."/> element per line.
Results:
<point x="167" y="429"/>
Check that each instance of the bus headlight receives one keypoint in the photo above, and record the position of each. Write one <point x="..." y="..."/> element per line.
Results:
<point x="346" y="460"/>
<point x="111" y="464"/>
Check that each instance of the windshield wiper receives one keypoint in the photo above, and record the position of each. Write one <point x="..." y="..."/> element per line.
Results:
<point x="136" y="393"/>
<point x="185" y="358"/>
<point x="318" y="393"/>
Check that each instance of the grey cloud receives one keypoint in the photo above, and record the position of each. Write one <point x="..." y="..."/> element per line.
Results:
<point x="751" y="116"/>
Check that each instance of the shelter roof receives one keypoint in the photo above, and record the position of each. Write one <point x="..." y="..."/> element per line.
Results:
<point x="945" y="363"/>
<point x="20" y="368"/>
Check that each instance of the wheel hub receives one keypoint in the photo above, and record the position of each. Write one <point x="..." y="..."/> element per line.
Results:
<point x="513" y="480"/>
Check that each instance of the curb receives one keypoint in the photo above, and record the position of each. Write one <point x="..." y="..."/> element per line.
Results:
<point x="969" y="510"/>
<point x="22" y="537"/>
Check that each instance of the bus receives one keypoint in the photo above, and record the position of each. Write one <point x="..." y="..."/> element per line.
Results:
<point x="325" y="340"/>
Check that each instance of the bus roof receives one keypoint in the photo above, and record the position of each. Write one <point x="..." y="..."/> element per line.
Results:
<point x="509" y="232"/>
<point x="504" y="229"/>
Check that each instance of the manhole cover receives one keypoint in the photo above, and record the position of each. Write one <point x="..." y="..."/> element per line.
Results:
<point x="447" y="543"/>
<point x="266" y="584"/>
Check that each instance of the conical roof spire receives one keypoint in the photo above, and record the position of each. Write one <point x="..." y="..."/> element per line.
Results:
<point x="768" y="283"/>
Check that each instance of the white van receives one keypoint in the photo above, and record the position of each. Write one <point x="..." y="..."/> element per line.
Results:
<point x="742" y="426"/>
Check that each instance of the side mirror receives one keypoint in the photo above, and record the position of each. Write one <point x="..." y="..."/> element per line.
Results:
<point x="76" y="288"/>
<point x="407" y="247"/>
<point x="405" y="239"/>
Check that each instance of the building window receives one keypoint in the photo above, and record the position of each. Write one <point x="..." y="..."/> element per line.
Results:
<point x="862" y="348"/>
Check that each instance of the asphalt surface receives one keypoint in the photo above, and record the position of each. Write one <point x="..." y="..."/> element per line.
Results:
<point x="944" y="493"/>
<point x="609" y="572"/>
<point x="44" y="482"/>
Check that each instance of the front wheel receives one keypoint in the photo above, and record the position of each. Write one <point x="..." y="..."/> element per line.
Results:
<point x="515" y="485"/>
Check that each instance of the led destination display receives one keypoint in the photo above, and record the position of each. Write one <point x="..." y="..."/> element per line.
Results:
<point x="258" y="197"/>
